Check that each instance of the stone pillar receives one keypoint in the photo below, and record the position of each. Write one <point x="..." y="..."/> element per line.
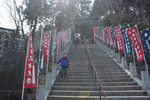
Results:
<point x="133" y="70"/>
<point x="118" y="57"/>
<point x="109" y="50"/>
<point x="40" y="92"/>
<point x="145" y="80"/>
<point x="103" y="46"/>
<point x="112" y="53"/>
<point x="124" y="63"/>
<point x="58" y="67"/>
<point x="54" y="71"/>
<point x="106" y="48"/>
<point x="48" y="81"/>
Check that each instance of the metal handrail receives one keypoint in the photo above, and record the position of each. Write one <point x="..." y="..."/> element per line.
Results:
<point x="94" y="73"/>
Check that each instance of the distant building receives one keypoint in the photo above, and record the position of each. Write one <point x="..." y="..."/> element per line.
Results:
<point x="6" y="39"/>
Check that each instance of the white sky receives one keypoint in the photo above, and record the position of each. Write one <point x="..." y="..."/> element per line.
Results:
<point x="5" y="20"/>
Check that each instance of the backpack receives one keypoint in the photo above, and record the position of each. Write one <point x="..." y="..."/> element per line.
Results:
<point x="66" y="61"/>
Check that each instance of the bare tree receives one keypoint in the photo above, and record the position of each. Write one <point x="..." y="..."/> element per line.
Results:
<point x="16" y="15"/>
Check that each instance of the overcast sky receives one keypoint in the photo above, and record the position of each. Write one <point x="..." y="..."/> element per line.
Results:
<point x="5" y="20"/>
<point x="4" y="17"/>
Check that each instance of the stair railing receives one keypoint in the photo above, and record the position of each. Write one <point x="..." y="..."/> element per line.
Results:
<point x="95" y="75"/>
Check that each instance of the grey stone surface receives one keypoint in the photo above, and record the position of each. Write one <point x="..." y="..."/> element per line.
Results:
<point x="133" y="72"/>
<point x="118" y="57"/>
<point x="113" y="53"/>
<point x="79" y="86"/>
<point x="40" y="92"/>
<point x="54" y="71"/>
<point x="124" y="63"/>
<point x="48" y="83"/>
<point x="109" y="50"/>
<point x="145" y="80"/>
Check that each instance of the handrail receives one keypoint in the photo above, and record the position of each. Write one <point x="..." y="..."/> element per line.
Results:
<point x="93" y="71"/>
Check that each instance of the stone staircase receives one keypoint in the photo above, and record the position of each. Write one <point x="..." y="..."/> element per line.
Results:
<point x="116" y="83"/>
<point x="80" y="86"/>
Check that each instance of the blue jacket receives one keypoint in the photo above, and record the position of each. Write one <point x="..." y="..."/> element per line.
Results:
<point x="64" y="62"/>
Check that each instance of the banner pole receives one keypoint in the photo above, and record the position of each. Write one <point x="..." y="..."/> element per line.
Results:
<point x="133" y="53"/>
<point x="47" y="65"/>
<point x="49" y="54"/>
<point x="124" y="45"/>
<point x="25" y="70"/>
<point x="142" y="48"/>
<point x="39" y="57"/>
<point x="22" y="91"/>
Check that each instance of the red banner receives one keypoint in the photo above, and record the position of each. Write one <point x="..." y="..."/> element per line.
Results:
<point x="30" y="77"/>
<point x="119" y="38"/>
<point x="65" y="38"/>
<point x="104" y="36"/>
<point x="135" y="39"/>
<point x="46" y="45"/>
<point x="62" y="40"/>
<point x="100" y="38"/>
<point x="97" y="32"/>
<point x="110" y="37"/>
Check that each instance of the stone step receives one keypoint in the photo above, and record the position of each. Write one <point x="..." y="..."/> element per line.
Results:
<point x="96" y="93"/>
<point x="98" y="70"/>
<point x="69" y="69"/>
<point x="77" y="67"/>
<point x="104" y="63"/>
<point x="106" y="66"/>
<point x="73" y="66"/>
<point x="60" y="97"/>
<point x="112" y="73"/>
<point x="87" y="66"/>
<point x="92" y="83"/>
<point x="117" y="68"/>
<point x="106" y="69"/>
<point x="102" y="80"/>
<point x="116" y="80"/>
<point x="89" y="88"/>
<point x="78" y="71"/>
<point x="88" y="72"/>
<point x="109" y="71"/>
<point x="100" y="76"/>
<point x="100" y="73"/>
<point x="74" y="80"/>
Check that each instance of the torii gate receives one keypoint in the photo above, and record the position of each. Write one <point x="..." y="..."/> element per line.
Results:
<point x="84" y="20"/>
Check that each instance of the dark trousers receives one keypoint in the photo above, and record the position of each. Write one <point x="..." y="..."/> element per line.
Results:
<point x="63" y="70"/>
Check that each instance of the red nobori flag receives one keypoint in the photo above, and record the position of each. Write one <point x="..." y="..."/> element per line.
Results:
<point x="135" y="39"/>
<point x="30" y="78"/>
<point x="119" y="38"/>
<point x="104" y="36"/>
<point x="110" y="37"/>
<point x="65" y="37"/>
<point x="46" y="44"/>
<point x="100" y="38"/>
<point x="97" y="32"/>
